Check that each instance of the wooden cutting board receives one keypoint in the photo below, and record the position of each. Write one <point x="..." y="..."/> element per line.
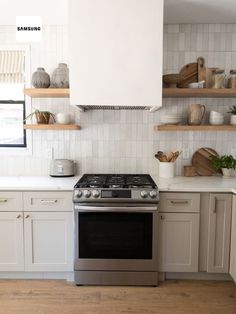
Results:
<point x="189" y="74"/>
<point x="202" y="162"/>
<point x="201" y="69"/>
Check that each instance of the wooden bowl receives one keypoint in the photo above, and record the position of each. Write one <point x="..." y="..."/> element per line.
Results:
<point x="171" y="80"/>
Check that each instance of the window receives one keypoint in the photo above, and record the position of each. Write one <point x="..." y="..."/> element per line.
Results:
<point x="12" y="103"/>
<point x="12" y="114"/>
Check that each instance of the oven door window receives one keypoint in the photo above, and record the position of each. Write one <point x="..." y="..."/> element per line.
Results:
<point x="115" y="235"/>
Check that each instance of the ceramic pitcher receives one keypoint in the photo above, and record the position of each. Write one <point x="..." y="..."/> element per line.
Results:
<point x="195" y="114"/>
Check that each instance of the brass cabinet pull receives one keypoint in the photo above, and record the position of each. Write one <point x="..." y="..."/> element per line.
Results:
<point x="18" y="216"/>
<point x="3" y="201"/>
<point x="48" y="201"/>
<point x="214" y="210"/>
<point x="27" y="216"/>
<point x="162" y="217"/>
<point x="179" y="202"/>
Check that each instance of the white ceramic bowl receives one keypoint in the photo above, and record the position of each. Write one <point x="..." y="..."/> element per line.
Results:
<point x="216" y="122"/>
<point x="171" y="119"/>
<point x="215" y="114"/>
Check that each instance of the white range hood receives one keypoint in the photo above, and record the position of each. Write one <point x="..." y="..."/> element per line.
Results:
<point x="115" y="54"/>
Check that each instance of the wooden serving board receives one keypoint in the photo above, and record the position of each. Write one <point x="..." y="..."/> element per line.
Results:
<point x="189" y="74"/>
<point x="202" y="162"/>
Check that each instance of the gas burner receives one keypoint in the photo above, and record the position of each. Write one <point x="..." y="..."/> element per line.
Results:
<point x="115" y="186"/>
<point x="116" y="181"/>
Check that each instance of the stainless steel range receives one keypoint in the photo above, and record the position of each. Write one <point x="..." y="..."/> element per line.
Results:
<point x="116" y="222"/>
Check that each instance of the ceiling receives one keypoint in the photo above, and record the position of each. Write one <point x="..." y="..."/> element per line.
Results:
<point x="199" y="11"/>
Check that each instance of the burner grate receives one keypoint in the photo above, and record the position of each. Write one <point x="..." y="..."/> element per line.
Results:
<point x="120" y="181"/>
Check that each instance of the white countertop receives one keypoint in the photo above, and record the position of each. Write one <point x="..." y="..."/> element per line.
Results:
<point x="43" y="183"/>
<point x="196" y="184"/>
<point x="176" y="184"/>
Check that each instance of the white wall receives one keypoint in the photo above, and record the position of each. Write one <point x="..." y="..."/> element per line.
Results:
<point x="53" y="12"/>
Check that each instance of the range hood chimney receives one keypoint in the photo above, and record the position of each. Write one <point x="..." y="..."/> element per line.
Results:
<point x="115" y="54"/>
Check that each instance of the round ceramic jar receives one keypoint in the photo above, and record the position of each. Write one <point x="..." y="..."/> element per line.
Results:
<point x="63" y="118"/>
<point x="60" y="76"/>
<point x="219" y="79"/>
<point x="40" y="78"/>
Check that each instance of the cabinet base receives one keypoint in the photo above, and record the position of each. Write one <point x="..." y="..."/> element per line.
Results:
<point x="198" y="276"/>
<point x="69" y="276"/>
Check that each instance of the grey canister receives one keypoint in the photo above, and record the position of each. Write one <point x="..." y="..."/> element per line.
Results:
<point x="40" y="78"/>
<point x="60" y="76"/>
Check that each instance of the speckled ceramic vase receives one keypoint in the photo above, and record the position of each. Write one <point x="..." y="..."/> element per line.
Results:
<point x="60" y="76"/>
<point x="40" y="78"/>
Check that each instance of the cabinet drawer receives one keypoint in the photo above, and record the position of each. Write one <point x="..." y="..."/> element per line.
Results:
<point x="11" y="201"/>
<point x="48" y="201"/>
<point x="179" y="202"/>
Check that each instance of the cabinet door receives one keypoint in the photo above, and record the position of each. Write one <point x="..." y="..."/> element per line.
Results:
<point x="232" y="269"/>
<point x="219" y="233"/>
<point x="48" y="241"/>
<point x="178" y="242"/>
<point x="11" y="241"/>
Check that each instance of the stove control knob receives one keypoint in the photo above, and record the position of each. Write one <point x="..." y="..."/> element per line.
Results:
<point x="153" y="194"/>
<point x="95" y="193"/>
<point x="87" y="193"/>
<point x="78" y="193"/>
<point x="143" y="194"/>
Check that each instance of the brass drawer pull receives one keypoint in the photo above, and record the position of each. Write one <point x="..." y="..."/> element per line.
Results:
<point x="162" y="217"/>
<point x="3" y="201"/>
<point x="18" y="216"/>
<point x="27" y="216"/>
<point x="48" y="201"/>
<point x="179" y="202"/>
<point x="214" y="210"/>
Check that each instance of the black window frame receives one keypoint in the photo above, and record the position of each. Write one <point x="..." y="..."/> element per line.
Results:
<point x="24" y="145"/>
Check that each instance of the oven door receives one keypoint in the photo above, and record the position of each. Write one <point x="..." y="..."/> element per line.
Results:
<point x="116" y="238"/>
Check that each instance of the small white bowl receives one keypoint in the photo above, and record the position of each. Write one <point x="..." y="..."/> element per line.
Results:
<point x="196" y="84"/>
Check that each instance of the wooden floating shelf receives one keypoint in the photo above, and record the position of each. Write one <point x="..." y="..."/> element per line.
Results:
<point x="166" y="127"/>
<point x="200" y="92"/>
<point x="52" y="127"/>
<point x="47" y="92"/>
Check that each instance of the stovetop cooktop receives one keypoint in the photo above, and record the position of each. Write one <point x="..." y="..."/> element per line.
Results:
<point x="113" y="181"/>
<point x="92" y="188"/>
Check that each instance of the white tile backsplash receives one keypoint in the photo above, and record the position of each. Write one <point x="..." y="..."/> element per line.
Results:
<point x="124" y="141"/>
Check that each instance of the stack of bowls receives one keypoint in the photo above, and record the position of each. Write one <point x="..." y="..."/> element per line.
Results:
<point x="171" y="119"/>
<point x="216" y="118"/>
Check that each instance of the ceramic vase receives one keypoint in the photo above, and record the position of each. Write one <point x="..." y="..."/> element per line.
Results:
<point x="227" y="173"/>
<point x="40" y="78"/>
<point x="233" y="119"/>
<point x="166" y="169"/>
<point x="60" y="76"/>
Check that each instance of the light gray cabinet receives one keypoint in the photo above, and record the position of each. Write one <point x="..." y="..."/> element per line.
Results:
<point x="36" y="231"/>
<point x="232" y="269"/>
<point x="178" y="232"/>
<point x="215" y="227"/>
<point x="11" y="241"/>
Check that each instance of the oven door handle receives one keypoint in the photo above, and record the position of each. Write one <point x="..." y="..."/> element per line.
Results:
<point x="115" y="208"/>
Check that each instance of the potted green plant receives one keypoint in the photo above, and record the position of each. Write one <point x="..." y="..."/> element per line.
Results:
<point x="226" y="163"/>
<point x="233" y="115"/>
<point x="42" y="117"/>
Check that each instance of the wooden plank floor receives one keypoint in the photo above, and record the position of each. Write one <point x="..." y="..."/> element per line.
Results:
<point x="171" y="297"/>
